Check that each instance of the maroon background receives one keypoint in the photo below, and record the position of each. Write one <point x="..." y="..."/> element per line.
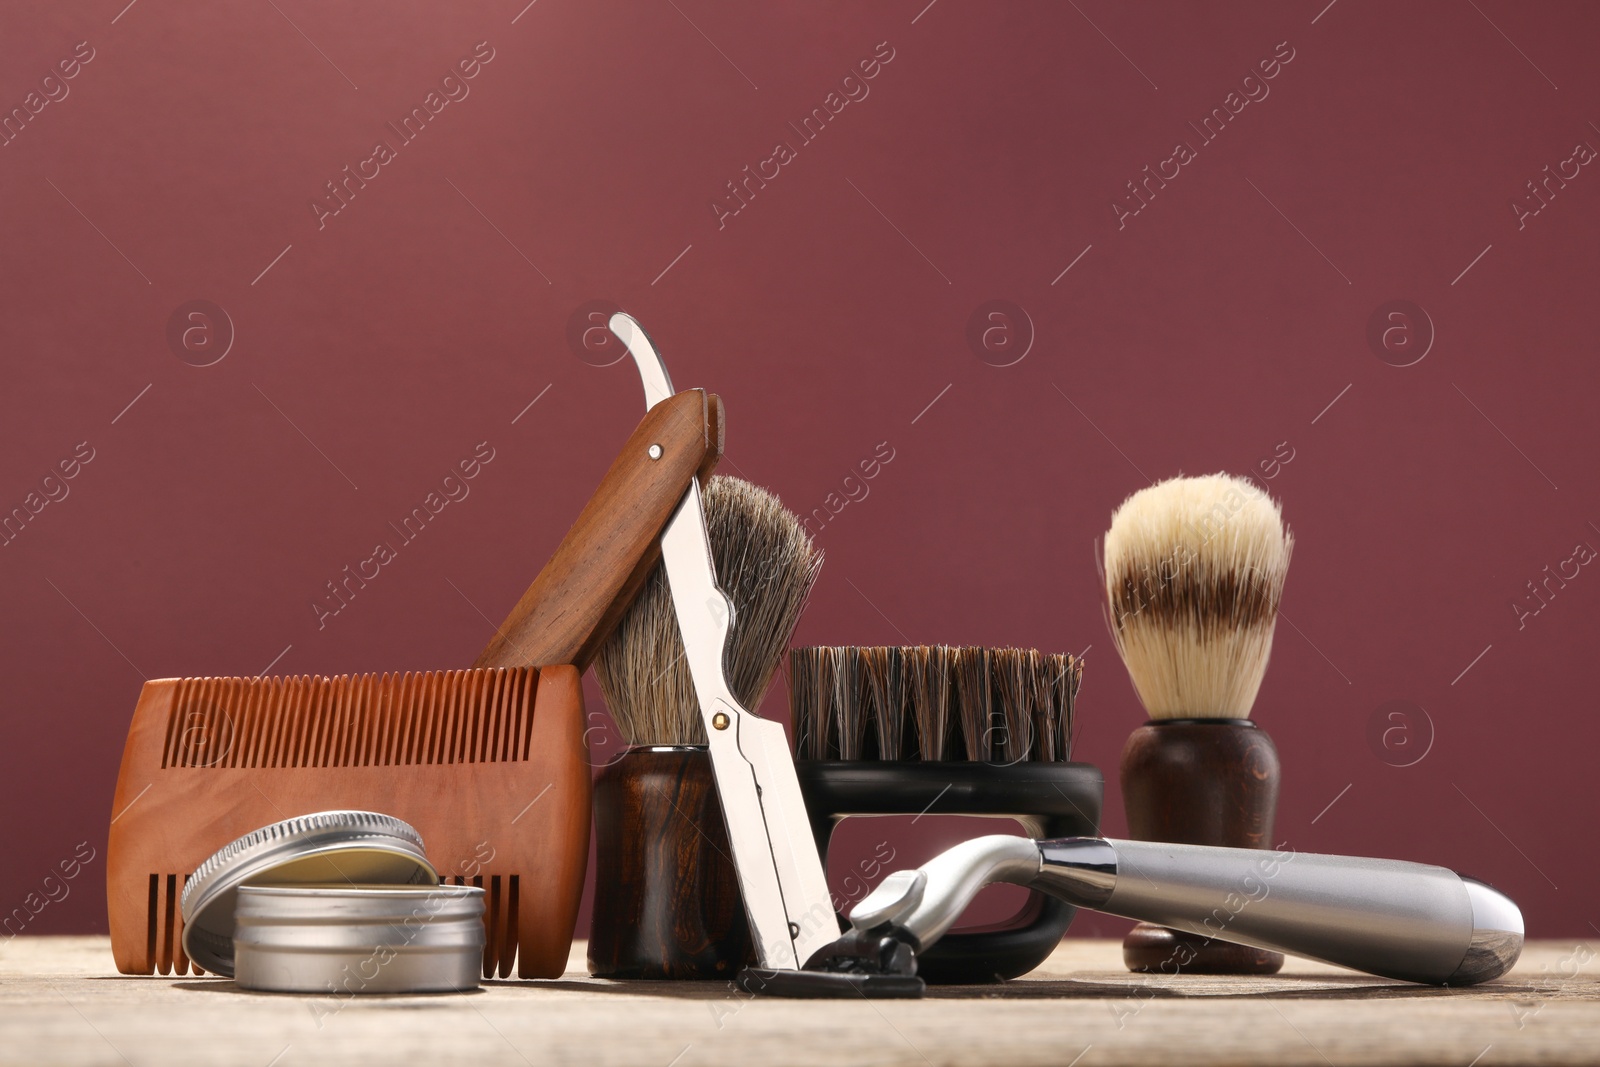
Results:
<point x="1198" y="337"/>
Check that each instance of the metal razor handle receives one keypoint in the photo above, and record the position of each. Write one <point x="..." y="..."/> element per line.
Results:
<point x="1401" y="920"/>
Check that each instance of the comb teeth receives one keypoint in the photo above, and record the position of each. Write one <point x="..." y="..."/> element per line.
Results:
<point x="367" y="720"/>
<point x="500" y="899"/>
<point x="971" y="703"/>
<point x="164" y="927"/>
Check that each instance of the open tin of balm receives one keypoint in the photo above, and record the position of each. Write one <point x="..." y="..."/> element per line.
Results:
<point x="335" y="901"/>
<point x="347" y="940"/>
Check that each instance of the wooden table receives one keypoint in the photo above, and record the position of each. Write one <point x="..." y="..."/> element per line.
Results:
<point x="62" y="1002"/>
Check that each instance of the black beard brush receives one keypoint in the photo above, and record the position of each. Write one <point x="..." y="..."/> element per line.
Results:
<point x="932" y="703"/>
<point x="940" y="730"/>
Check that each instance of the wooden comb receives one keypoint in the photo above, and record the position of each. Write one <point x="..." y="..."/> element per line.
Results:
<point x="489" y="764"/>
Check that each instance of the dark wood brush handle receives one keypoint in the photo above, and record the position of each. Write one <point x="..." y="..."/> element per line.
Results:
<point x="1199" y="782"/>
<point x="598" y="568"/>
<point x="666" y="896"/>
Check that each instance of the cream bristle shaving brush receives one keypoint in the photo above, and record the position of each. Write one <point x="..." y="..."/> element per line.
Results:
<point x="667" y="899"/>
<point x="1194" y="571"/>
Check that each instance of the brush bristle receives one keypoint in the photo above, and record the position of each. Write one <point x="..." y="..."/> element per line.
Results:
<point x="974" y="701"/>
<point x="766" y="563"/>
<point x="1060" y="677"/>
<point x="1015" y="672"/>
<point x="885" y="689"/>
<point x="811" y="700"/>
<point x="850" y="729"/>
<point x="1194" y="571"/>
<point x="932" y="703"/>
<point x="928" y="679"/>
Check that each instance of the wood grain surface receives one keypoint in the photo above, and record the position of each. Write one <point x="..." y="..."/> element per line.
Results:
<point x="62" y="1002"/>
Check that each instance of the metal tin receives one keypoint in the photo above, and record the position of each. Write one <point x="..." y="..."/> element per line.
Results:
<point x="351" y="848"/>
<point x="345" y="941"/>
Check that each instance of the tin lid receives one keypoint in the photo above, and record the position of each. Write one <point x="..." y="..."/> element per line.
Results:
<point x="345" y="847"/>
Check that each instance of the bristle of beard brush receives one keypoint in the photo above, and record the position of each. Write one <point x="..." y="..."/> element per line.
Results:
<point x="810" y="700"/>
<point x="974" y="686"/>
<point x="884" y="691"/>
<point x="766" y="564"/>
<point x="1046" y="712"/>
<point x="1014" y="671"/>
<point x="865" y="698"/>
<point x="827" y="716"/>
<point x="1065" y="675"/>
<point x="849" y="719"/>
<point x="927" y="670"/>
<point x="1010" y="705"/>
<point x="1023" y="741"/>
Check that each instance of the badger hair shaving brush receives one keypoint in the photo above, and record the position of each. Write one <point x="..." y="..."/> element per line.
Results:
<point x="666" y="900"/>
<point x="1194" y="571"/>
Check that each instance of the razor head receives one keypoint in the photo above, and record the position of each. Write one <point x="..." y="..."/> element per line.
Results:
<point x="879" y="964"/>
<point x="824" y="985"/>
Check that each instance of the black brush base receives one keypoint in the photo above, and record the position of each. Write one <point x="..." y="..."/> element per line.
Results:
<point x="1047" y="799"/>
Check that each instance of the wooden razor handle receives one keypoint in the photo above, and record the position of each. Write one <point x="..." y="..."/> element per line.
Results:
<point x="599" y="567"/>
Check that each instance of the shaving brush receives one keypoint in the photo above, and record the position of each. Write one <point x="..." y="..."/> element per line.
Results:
<point x="667" y="901"/>
<point x="1194" y="571"/>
